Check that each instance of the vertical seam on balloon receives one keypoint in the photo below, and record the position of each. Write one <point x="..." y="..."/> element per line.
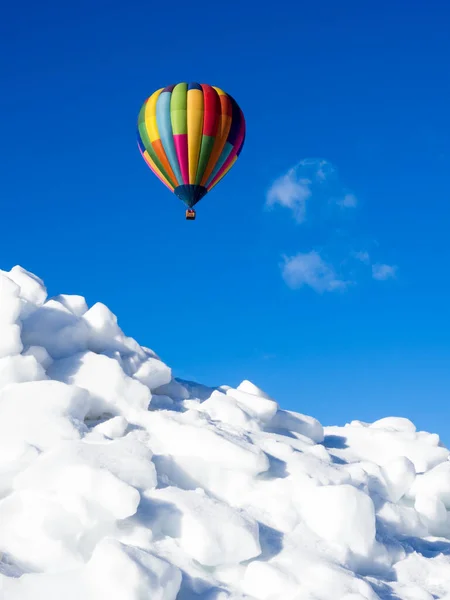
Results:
<point x="146" y="141"/>
<point x="164" y="122"/>
<point x="155" y="137"/>
<point x="211" y="112"/>
<point x="233" y="136"/>
<point x="180" y="138"/>
<point x="221" y="139"/>
<point x="194" y="143"/>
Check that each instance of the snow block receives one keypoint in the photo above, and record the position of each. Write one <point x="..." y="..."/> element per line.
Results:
<point x="343" y="515"/>
<point x="210" y="531"/>
<point x="122" y="572"/>
<point x="256" y="406"/>
<point x="111" y="390"/>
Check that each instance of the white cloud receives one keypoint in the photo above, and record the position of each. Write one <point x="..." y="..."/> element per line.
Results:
<point x="382" y="272"/>
<point x="348" y="201"/>
<point x="290" y="192"/>
<point x="312" y="191"/>
<point x="311" y="270"/>
<point x="323" y="168"/>
<point x="313" y="180"/>
<point x="363" y="256"/>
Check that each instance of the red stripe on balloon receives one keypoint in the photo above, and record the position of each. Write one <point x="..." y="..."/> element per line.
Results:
<point x="181" y="147"/>
<point x="211" y="110"/>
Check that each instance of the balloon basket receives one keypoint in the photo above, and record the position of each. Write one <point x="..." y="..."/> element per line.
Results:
<point x="190" y="215"/>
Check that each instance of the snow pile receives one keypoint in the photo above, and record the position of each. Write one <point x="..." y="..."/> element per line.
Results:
<point x="118" y="481"/>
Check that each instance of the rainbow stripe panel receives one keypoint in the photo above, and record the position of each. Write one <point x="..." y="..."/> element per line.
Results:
<point x="190" y="135"/>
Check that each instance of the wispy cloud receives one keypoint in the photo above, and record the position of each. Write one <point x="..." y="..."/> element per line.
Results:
<point x="310" y="181"/>
<point x="309" y="269"/>
<point x="348" y="201"/>
<point x="312" y="192"/>
<point x="383" y="272"/>
<point x="362" y="256"/>
<point x="292" y="193"/>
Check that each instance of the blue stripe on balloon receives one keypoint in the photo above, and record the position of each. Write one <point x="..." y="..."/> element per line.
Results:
<point x="140" y="142"/>
<point x="164" y="124"/>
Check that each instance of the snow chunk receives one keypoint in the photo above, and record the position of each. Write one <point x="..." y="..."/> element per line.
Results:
<point x="343" y="515"/>
<point x="210" y="531"/>
<point x="112" y="428"/>
<point x="111" y="389"/>
<point x="15" y="456"/>
<point x="127" y="459"/>
<point x="303" y="424"/>
<point x="115" y="571"/>
<point x="266" y="581"/>
<point x="105" y="335"/>
<point x="40" y="354"/>
<point x="382" y="445"/>
<point x="18" y="368"/>
<point x="273" y="502"/>
<point x="401" y="520"/>
<point x="429" y="574"/>
<point x="42" y="413"/>
<point x="153" y="373"/>
<point x="37" y="532"/>
<point x="323" y="472"/>
<point x="435" y="483"/>
<point x="394" y="424"/>
<point x="174" y="389"/>
<point x="82" y="488"/>
<point x="256" y="406"/>
<point x="250" y="388"/>
<point x="10" y="304"/>
<point x="57" y="329"/>
<point x="75" y="304"/>
<point x="122" y="572"/>
<point x="32" y="288"/>
<point x="176" y="436"/>
<point x="433" y="514"/>
<point x="10" y="342"/>
<point x="399" y="475"/>
<point x="221" y="407"/>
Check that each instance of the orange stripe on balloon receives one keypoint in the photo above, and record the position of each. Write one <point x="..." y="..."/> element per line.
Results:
<point x="151" y="163"/>
<point x="159" y="149"/>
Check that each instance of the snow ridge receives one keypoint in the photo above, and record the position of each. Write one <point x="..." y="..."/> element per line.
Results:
<point x="120" y="482"/>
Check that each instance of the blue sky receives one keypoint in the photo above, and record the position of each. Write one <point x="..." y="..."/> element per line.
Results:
<point x="343" y="176"/>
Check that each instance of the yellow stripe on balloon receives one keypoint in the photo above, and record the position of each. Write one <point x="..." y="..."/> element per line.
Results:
<point x="150" y="116"/>
<point x="151" y="163"/>
<point x="223" y="174"/>
<point x="194" y="130"/>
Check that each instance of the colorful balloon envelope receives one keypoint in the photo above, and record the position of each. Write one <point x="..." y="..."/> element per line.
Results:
<point x="190" y="135"/>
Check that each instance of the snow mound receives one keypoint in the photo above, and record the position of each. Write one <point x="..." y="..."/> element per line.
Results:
<point x="119" y="481"/>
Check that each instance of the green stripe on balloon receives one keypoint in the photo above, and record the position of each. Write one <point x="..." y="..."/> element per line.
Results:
<point x="178" y="109"/>
<point x="144" y="135"/>
<point x="205" y="153"/>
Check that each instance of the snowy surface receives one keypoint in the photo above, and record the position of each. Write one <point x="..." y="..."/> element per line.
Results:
<point x="120" y="482"/>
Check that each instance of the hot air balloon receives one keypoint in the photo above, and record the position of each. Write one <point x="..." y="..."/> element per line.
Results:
<point x="190" y="135"/>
